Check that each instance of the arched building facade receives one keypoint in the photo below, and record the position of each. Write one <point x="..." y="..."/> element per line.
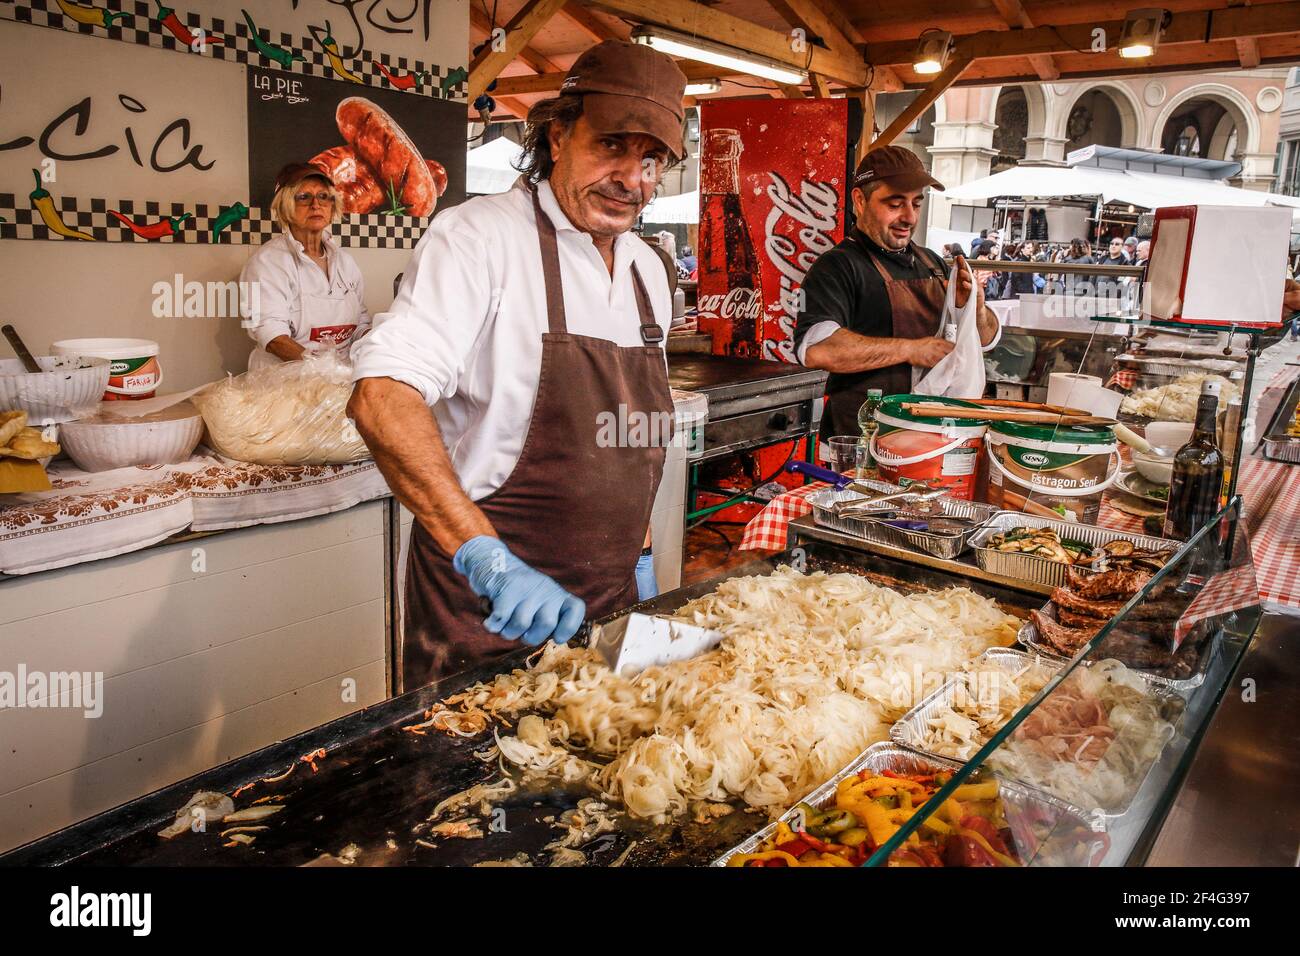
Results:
<point x="1232" y="115"/>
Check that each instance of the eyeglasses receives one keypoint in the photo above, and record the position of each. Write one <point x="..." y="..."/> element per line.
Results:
<point x="304" y="199"/>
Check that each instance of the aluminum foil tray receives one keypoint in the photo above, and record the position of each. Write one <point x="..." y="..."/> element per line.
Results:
<point x="1030" y="567"/>
<point x="1287" y="450"/>
<point x="1033" y="816"/>
<point x="909" y="730"/>
<point x="1028" y="636"/>
<point x="946" y="546"/>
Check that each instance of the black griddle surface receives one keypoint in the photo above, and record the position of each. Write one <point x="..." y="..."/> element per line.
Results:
<point x="378" y="782"/>
<point x="711" y="373"/>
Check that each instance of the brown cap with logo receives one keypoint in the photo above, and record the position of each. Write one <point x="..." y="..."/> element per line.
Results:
<point x="630" y="88"/>
<point x="899" y="167"/>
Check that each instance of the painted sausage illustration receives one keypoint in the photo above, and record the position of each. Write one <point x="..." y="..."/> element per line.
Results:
<point x="359" y="191"/>
<point x="388" y="151"/>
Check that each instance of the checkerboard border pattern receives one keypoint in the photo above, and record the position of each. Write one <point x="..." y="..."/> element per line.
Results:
<point x="22" y="221"/>
<point x="140" y="26"/>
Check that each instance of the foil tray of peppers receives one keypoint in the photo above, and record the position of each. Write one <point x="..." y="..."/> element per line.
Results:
<point x="986" y="822"/>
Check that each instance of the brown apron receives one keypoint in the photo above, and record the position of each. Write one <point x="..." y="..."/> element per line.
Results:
<point x="575" y="507"/>
<point x="916" y="306"/>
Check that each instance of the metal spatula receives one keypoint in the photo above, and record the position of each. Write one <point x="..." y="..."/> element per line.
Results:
<point x="636" y="641"/>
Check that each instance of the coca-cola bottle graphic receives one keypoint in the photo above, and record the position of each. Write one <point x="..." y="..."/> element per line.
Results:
<point x="726" y="250"/>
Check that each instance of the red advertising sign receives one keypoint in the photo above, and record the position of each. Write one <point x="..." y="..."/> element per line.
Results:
<point x="771" y="196"/>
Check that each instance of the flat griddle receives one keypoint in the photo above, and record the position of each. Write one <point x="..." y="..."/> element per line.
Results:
<point x="377" y="782"/>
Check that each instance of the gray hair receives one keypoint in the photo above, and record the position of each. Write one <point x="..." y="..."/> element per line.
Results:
<point x="562" y="111"/>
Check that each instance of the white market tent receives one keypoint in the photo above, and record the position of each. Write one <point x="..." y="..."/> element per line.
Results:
<point x="1120" y="185"/>
<point x="683" y="208"/>
<point x="490" y="169"/>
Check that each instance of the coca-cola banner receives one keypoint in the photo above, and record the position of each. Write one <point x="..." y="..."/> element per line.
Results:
<point x="771" y="201"/>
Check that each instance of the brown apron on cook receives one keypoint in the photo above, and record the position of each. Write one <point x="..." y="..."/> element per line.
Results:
<point x="575" y="507"/>
<point x="916" y="306"/>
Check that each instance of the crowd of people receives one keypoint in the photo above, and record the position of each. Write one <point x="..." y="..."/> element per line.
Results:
<point x="1115" y="251"/>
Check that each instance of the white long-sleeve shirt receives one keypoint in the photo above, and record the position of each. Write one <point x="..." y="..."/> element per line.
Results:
<point x="466" y="327"/>
<point x="283" y="272"/>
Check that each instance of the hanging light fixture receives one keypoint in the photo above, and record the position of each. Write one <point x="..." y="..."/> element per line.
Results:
<point x="1141" y="34"/>
<point x="703" y="87"/>
<point x="932" y="50"/>
<point x="716" y="54"/>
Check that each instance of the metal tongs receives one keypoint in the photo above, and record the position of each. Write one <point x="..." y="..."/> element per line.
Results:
<point x="919" y="504"/>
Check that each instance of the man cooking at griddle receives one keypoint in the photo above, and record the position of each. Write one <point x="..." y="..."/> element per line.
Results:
<point x="522" y="320"/>
<point x="873" y="304"/>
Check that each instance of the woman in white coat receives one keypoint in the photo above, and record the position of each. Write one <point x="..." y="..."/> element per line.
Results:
<point x="309" y="292"/>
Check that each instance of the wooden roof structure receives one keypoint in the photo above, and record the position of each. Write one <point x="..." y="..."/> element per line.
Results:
<point x="867" y="46"/>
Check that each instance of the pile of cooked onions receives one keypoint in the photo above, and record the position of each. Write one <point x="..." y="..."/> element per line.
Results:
<point x="814" y="668"/>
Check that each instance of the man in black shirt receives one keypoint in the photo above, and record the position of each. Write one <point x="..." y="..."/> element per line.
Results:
<point x="872" y="304"/>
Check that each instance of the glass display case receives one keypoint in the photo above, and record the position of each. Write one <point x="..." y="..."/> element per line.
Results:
<point x="1085" y="769"/>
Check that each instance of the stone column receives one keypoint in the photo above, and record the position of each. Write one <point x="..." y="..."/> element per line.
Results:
<point x="962" y="151"/>
<point x="1044" y="150"/>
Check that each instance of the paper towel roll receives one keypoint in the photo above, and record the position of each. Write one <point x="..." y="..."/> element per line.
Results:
<point x="1082" y="391"/>
<point x="1061" y="385"/>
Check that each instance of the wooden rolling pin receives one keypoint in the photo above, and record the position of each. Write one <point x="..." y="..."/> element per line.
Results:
<point x="1006" y="415"/>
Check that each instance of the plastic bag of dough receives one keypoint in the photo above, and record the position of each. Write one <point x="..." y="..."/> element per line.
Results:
<point x="294" y="413"/>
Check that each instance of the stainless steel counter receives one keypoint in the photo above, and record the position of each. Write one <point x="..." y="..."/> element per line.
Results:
<point x="1238" y="802"/>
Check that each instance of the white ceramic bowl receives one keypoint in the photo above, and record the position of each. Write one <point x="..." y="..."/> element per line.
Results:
<point x="1154" y="468"/>
<point x="69" y="388"/>
<point x="1169" y="436"/>
<point x="98" y="445"/>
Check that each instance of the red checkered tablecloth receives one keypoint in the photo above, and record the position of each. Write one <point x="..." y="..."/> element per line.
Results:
<point x="1269" y="489"/>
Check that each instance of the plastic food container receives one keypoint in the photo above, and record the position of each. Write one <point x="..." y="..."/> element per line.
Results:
<point x="928" y="451"/>
<point x="69" y="388"/>
<point x="106" y="441"/>
<point x="1043" y="827"/>
<point x="1063" y="467"/>
<point x="134" y="371"/>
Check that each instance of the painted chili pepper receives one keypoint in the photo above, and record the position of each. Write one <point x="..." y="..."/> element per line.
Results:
<point x="269" y="50"/>
<point x="91" y="16"/>
<point x="167" y="17"/>
<point x="407" y="81"/>
<point x="336" y="62"/>
<point x="43" y="203"/>
<point x="153" y="230"/>
<point x="452" y="78"/>
<point x="230" y="216"/>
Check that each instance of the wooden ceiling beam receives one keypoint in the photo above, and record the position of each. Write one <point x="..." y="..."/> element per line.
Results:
<point x="1185" y="28"/>
<point x="695" y="19"/>
<point x="1013" y="12"/>
<point x="821" y="89"/>
<point x="523" y="26"/>
<point x="538" y="62"/>
<point x="551" y="82"/>
<point x="1247" y="52"/>
<point x="790" y="91"/>
<point x="809" y="16"/>
<point x="956" y="66"/>
<point x="587" y="22"/>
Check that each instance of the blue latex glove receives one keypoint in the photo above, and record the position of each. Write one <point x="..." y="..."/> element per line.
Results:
<point x="646" y="585"/>
<point x="525" y="602"/>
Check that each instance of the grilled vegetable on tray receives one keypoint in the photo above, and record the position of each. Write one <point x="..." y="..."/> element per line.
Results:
<point x="870" y="807"/>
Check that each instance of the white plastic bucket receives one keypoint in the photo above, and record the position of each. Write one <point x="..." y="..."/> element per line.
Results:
<point x="931" y="452"/>
<point x="134" y="372"/>
<point x="1066" y="469"/>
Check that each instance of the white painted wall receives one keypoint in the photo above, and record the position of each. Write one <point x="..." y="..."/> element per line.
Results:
<point x="199" y="668"/>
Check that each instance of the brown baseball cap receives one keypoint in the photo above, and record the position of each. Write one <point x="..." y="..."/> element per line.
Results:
<point x="294" y="173"/>
<point x="630" y="88"/>
<point x="899" y="167"/>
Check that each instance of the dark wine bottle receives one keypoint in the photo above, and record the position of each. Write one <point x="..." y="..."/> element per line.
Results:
<point x="1197" y="478"/>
